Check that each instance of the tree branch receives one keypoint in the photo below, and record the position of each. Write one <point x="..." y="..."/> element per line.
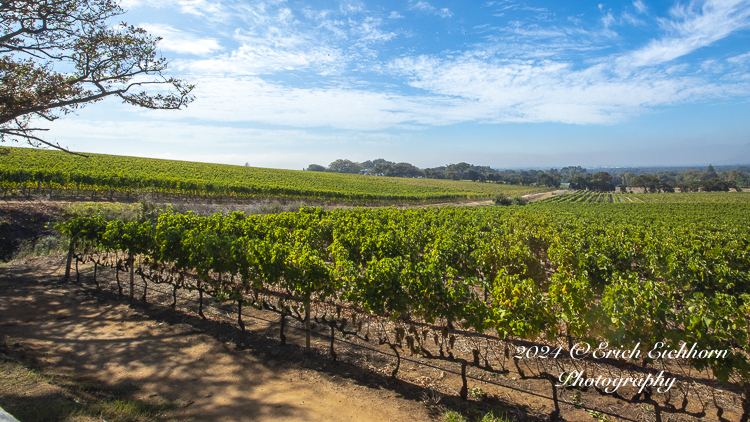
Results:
<point x="35" y="141"/>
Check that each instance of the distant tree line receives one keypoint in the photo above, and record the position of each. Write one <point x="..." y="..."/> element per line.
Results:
<point x="460" y="171"/>
<point x="691" y="180"/>
<point x="577" y="177"/>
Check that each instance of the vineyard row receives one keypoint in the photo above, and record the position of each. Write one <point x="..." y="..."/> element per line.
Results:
<point x="432" y="278"/>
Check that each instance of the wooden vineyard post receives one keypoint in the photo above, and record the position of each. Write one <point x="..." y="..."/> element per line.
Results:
<point x="333" y="338"/>
<point x="239" y="314"/>
<point x="464" y="387"/>
<point x="282" y="324"/>
<point x="200" y="300"/>
<point x="556" y="413"/>
<point x="131" y="264"/>
<point x="145" y="285"/>
<point x="69" y="261"/>
<point x="117" y="276"/>
<point x="307" y="325"/>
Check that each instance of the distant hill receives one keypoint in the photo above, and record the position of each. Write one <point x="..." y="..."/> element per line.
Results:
<point x="28" y="171"/>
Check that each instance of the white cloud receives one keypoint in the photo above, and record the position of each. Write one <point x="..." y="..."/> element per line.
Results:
<point x="712" y="66"/>
<point x="251" y="99"/>
<point x="395" y="15"/>
<point x="130" y="4"/>
<point x="740" y="58"/>
<point x="369" y="31"/>
<point x="539" y="91"/>
<point x="463" y="89"/>
<point x="627" y="17"/>
<point x="276" y="42"/>
<point x="255" y="58"/>
<point x="180" y="41"/>
<point x="428" y="8"/>
<point x="212" y="10"/>
<point x="349" y="7"/>
<point x="640" y="6"/>
<point x="698" y="25"/>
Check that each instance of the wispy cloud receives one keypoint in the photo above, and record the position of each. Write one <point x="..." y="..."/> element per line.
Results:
<point x="204" y="8"/>
<point x="341" y="108"/>
<point x="691" y="27"/>
<point x="428" y="8"/>
<point x="214" y="11"/>
<point x="182" y="42"/>
<point x="640" y="6"/>
<point x="258" y="58"/>
<point x="741" y="58"/>
<point x="632" y="20"/>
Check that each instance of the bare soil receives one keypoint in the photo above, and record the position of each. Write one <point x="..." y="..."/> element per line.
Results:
<point x="532" y="197"/>
<point x="78" y="332"/>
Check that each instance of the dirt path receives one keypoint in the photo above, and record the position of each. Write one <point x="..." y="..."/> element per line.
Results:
<point x="110" y="341"/>
<point x="544" y="195"/>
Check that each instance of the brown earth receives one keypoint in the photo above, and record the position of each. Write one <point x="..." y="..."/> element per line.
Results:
<point x="81" y="333"/>
<point x="203" y="370"/>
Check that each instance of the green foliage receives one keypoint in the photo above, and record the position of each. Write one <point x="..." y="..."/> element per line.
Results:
<point x="502" y="199"/>
<point x="599" y="416"/>
<point x="453" y="416"/>
<point x="477" y="393"/>
<point x="490" y="417"/>
<point x="124" y="212"/>
<point x="505" y="200"/>
<point x="518" y="200"/>
<point x="44" y="246"/>
<point x="344" y="166"/>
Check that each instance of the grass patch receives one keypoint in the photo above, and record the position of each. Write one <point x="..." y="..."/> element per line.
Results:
<point x="31" y="394"/>
<point x="48" y="245"/>
<point x="110" y="211"/>
<point x="453" y="416"/>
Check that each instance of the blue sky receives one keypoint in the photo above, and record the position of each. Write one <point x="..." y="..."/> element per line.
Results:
<point x="502" y="83"/>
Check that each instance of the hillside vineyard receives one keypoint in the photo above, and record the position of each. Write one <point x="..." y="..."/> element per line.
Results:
<point x="32" y="173"/>
<point x="659" y="278"/>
